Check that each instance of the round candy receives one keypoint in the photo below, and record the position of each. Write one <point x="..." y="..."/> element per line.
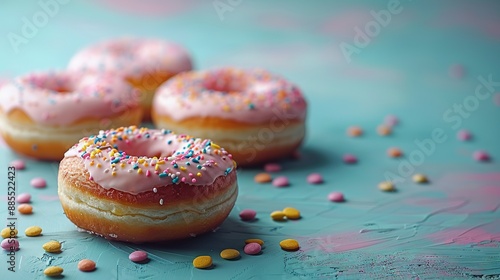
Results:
<point x="348" y="158"/>
<point x="23" y="198"/>
<point x="464" y="135"/>
<point x="53" y="271"/>
<point x="386" y="186"/>
<point x="248" y="214"/>
<point x="252" y="248"/>
<point x="33" y="231"/>
<point x="202" y="262"/>
<point x="315" y="178"/>
<point x="354" y="131"/>
<point x="457" y="71"/>
<point x="391" y="120"/>
<point x="18" y="164"/>
<point x="272" y="167"/>
<point x="281" y="181"/>
<point x="138" y="256"/>
<point x="289" y="245"/>
<point x="420" y="178"/>
<point x="262" y="178"/>
<point x="25" y="208"/>
<point x="394" y="152"/>
<point x="52" y="247"/>
<point x="336" y="197"/>
<point x="9" y="232"/>
<point x="278" y="215"/>
<point x="481" y="156"/>
<point x="291" y="213"/>
<point x="255" y="240"/>
<point x="86" y="265"/>
<point x="38" y="182"/>
<point x="229" y="254"/>
<point x="384" y="130"/>
<point x="10" y="244"/>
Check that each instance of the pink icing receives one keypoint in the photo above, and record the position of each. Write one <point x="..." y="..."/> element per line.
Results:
<point x="132" y="57"/>
<point x="39" y="96"/>
<point x="251" y="96"/>
<point x="136" y="160"/>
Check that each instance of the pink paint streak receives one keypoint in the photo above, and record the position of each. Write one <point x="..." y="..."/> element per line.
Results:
<point x="485" y="234"/>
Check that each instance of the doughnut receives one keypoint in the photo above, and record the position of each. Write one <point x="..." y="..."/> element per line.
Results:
<point x="144" y="63"/>
<point x="43" y="114"/>
<point x="257" y="116"/>
<point x="146" y="185"/>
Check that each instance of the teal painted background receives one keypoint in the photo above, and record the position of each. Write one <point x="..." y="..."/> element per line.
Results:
<point x="449" y="228"/>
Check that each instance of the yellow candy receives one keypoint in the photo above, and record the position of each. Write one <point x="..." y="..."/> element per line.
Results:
<point x="33" y="231"/>
<point x="7" y="233"/>
<point x="53" y="271"/>
<point x="229" y="254"/>
<point x="52" y="247"/>
<point x="420" y="178"/>
<point x="386" y="186"/>
<point x="255" y="240"/>
<point x="278" y="215"/>
<point x="291" y="213"/>
<point x="289" y="245"/>
<point x="202" y="262"/>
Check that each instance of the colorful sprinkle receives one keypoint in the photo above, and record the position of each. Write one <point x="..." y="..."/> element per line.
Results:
<point x="291" y="213"/>
<point x="138" y="256"/>
<point x="394" y="152"/>
<point x="18" y="164"/>
<point x="33" y="231"/>
<point x="9" y="232"/>
<point x="25" y="209"/>
<point x="38" y="182"/>
<point x="23" y="198"/>
<point x="464" y="135"/>
<point x="420" y="178"/>
<point x="229" y="254"/>
<point x="272" y="167"/>
<point x="281" y="181"/>
<point x="53" y="271"/>
<point x="10" y="244"/>
<point x="336" y="197"/>
<point x="289" y="245"/>
<point x="315" y="178"/>
<point x="350" y="159"/>
<point x="481" y="156"/>
<point x="86" y="265"/>
<point x="262" y="178"/>
<point x="386" y="186"/>
<point x="202" y="262"/>
<point x="248" y="214"/>
<point x="52" y="246"/>
<point x="252" y="248"/>
<point x="354" y="131"/>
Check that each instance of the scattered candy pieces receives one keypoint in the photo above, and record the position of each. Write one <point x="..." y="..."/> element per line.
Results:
<point x="481" y="156"/>
<point x="350" y="159"/>
<point x="53" y="271"/>
<point x="255" y="240"/>
<point x="262" y="178"/>
<point x="272" y="167"/>
<point x="394" y="152"/>
<point x="354" y="131"/>
<point x="420" y="178"/>
<point x="38" y="182"/>
<point x="52" y="246"/>
<point x="457" y="71"/>
<point x="229" y="254"/>
<point x="202" y="262"/>
<point x="248" y="214"/>
<point x="278" y="215"/>
<point x="336" y="197"/>
<point x="23" y="198"/>
<point x="291" y="213"/>
<point x="33" y="231"/>
<point x="464" y="135"/>
<point x="25" y="209"/>
<point x="9" y="232"/>
<point x="18" y="164"/>
<point x="281" y="181"/>
<point x="252" y="248"/>
<point x="138" y="256"/>
<point x="315" y="178"/>
<point x="289" y="245"/>
<point x="10" y="244"/>
<point x="391" y="120"/>
<point x="384" y="130"/>
<point x="386" y="186"/>
<point x="86" y="265"/>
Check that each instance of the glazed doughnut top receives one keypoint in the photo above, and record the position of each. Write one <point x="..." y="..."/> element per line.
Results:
<point x="250" y="96"/>
<point x="135" y="160"/>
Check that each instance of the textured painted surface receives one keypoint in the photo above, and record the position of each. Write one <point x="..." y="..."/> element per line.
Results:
<point x="448" y="228"/>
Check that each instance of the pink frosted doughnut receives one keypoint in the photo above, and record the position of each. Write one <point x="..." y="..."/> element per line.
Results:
<point x="43" y="114"/>
<point x="144" y="63"/>
<point x="256" y="115"/>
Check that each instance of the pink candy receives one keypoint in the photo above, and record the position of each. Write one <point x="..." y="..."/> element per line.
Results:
<point x="23" y="198"/>
<point x="138" y="256"/>
<point x="252" y="248"/>
<point x="456" y="71"/>
<point x="38" y="182"/>
<point x="248" y="214"/>
<point x="272" y="167"/>
<point x="281" y="181"/>
<point x="18" y="164"/>
<point x="315" y="178"/>
<point x="10" y="244"/>
<point x="348" y="158"/>
<point x="391" y="120"/>
<point x="464" y="135"/>
<point x="336" y="197"/>
<point x="481" y="156"/>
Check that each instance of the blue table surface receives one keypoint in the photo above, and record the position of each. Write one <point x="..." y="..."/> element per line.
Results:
<point x="356" y="62"/>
